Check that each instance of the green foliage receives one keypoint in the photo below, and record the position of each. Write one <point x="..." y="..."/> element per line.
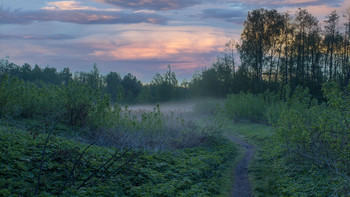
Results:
<point x="316" y="132"/>
<point x="299" y="100"/>
<point x="276" y="172"/>
<point x="102" y="114"/>
<point x="85" y="106"/>
<point x="75" y="103"/>
<point x="131" y="88"/>
<point x="246" y="106"/>
<point x="163" y="87"/>
<point x="216" y="81"/>
<point x="21" y="99"/>
<point x="306" y="153"/>
<point x="113" y="86"/>
<point x="186" y="172"/>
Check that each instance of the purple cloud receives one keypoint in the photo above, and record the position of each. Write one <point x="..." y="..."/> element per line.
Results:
<point x="36" y="37"/>
<point x="79" y="17"/>
<point x="283" y="3"/>
<point x="152" y="4"/>
<point x="222" y="13"/>
<point x="229" y="15"/>
<point x="180" y="4"/>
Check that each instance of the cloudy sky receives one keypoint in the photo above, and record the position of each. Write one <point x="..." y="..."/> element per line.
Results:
<point x="131" y="36"/>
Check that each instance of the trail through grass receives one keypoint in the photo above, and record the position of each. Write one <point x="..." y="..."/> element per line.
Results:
<point x="272" y="172"/>
<point x="242" y="185"/>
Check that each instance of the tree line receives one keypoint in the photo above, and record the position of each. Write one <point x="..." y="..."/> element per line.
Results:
<point x="124" y="89"/>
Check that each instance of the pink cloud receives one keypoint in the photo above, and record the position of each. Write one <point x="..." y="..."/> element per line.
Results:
<point x="187" y="45"/>
<point x="321" y="11"/>
<point x="72" y="5"/>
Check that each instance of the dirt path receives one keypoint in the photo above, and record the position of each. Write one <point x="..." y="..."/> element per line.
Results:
<point x="242" y="187"/>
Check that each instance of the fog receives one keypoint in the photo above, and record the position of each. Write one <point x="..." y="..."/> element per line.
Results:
<point x="189" y="110"/>
<point x="178" y="107"/>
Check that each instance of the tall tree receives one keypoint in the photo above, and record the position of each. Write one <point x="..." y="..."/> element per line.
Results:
<point x="346" y="61"/>
<point x="259" y="37"/>
<point x="330" y="34"/>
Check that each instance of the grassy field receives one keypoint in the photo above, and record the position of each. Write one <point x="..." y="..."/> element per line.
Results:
<point x="155" y="153"/>
<point x="201" y="170"/>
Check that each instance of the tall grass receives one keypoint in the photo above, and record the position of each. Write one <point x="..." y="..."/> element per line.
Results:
<point x="152" y="130"/>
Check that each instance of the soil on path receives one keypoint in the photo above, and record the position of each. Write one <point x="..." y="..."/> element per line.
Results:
<point x="242" y="187"/>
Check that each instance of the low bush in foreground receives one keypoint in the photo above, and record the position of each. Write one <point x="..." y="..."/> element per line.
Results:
<point x="182" y="172"/>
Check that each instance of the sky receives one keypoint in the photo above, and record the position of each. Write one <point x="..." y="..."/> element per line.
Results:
<point x="141" y="37"/>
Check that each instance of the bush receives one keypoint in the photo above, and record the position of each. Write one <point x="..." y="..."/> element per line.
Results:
<point x="300" y="100"/>
<point x="25" y="100"/>
<point x="318" y="133"/>
<point x="246" y="106"/>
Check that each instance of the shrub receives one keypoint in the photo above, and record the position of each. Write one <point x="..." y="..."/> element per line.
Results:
<point x="246" y="106"/>
<point x="23" y="99"/>
<point x="319" y="133"/>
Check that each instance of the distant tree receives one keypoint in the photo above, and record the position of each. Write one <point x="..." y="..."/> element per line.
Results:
<point x="113" y="81"/>
<point x="163" y="87"/>
<point x="183" y="90"/>
<point x="94" y="79"/>
<point x="230" y="51"/>
<point x="26" y="71"/>
<point x="243" y="82"/>
<point x="36" y="74"/>
<point x="65" y="75"/>
<point x="50" y="75"/>
<point x="132" y="87"/>
<point x="224" y="71"/>
<point x="145" y="95"/>
<point x="210" y="83"/>
<point x="219" y="79"/>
